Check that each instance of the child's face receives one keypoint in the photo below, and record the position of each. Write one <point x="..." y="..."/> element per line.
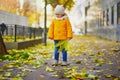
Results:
<point x="59" y="15"/>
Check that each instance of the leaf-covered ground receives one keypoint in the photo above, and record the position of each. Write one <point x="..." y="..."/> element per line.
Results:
<point x="89" y="58"/>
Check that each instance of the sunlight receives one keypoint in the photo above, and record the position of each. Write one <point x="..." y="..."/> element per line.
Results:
<point x="21" y="3"/>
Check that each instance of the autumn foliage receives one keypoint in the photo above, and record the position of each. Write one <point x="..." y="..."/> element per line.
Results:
<point x="28" y="10"/>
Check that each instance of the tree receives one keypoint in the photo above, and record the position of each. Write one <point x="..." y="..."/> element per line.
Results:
<point x="31" y="12"/>
<point x="3" y="49"/>
<point x="68" y="4"/>
<point x="28" y="10"/>
<point x="9" y="5"/>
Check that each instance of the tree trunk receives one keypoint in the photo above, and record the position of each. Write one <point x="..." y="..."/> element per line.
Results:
<point x="3" y="49"/>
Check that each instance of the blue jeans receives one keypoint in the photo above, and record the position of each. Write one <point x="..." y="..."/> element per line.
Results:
<point x="56" y="54"/>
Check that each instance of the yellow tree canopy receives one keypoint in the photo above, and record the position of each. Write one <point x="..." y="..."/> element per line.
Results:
<point x="66" y="3"/>
<point x="13" y="6"/>
<point x="9" y="5"/>
<point x="33" y="18"/>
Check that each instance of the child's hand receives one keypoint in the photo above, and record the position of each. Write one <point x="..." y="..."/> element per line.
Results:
<point x="69" y="39"/>
<point x="50" y="38"/>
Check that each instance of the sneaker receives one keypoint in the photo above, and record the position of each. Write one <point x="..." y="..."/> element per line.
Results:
<point x="64" y="63"/>
<point x="55" y="63"/>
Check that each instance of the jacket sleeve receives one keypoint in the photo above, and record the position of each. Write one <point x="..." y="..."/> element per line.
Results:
<point x="51" y="31"/>
<point x="69" y="29"/>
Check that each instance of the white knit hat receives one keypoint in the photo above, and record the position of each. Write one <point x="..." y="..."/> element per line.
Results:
<point x="59" y="9"/>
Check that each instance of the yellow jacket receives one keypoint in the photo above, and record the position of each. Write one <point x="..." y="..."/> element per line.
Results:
<point x="60" y="29"/>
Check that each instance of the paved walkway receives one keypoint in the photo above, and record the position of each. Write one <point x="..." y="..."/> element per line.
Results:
<point x="89" y="58"/>
<point x="93" y="55"/>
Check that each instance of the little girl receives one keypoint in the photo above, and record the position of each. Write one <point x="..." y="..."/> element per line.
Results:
<point x="60" y="29"/>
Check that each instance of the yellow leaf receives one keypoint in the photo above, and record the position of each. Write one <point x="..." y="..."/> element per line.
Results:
<point x="7" y="66"/>
<point x="1" y="76"/>
<point x="74" y="67"/>
<point x="91" y="76"/>
<point x="110" y="62"/>
<point x="1" y="60"/>
<point x="83" y="70"/>
<point x="48" y="69"/>
<point x="116" y="79"/>
<point x="17" y="78"/>
<point x="8" y="74"/>
<point x="118" y="67"/>
<point x="108" y="75"/>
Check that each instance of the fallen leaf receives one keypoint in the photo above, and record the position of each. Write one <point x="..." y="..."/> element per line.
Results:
<point x="48" y="69"/>
<point x="8" y="74"/>
<point x="78" y="62"/>
<point x="17" y="78"/>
